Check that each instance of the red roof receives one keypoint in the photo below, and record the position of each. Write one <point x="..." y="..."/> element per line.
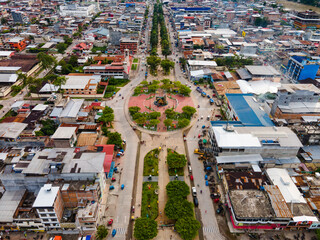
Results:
<point x="96" y="104"/>
<point x="108" y="150"/>
<point x="114" y="68"/>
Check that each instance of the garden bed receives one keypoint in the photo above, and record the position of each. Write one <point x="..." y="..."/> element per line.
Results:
<point x="176" y="163"/>
<point x="149" y="202"/>
<point x="151" y="163"/>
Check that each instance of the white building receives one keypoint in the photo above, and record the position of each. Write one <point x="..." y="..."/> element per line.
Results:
<point x="74" y="10"/>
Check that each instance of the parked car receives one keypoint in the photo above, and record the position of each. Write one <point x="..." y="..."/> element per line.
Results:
<point x="194" y="191"/>
<point x="195" y="201"/>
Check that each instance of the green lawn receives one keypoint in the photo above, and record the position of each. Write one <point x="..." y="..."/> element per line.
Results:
<point x="149" y="202"/>
<point x="136" y="60"/>
<point x="110" y="90"/>
<point x="134" y="67"/>
<point x="1" y="106"/>
<point x="151" y="162"/>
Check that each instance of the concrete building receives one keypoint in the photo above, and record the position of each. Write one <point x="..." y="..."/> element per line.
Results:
<point x="294" y="101"/>
<point x="49" y="206"/>
<point x="11" y="131"/>
<point x="17" y="43"/>
<point x="307" y="20"/>
<point x="19" y="17"/>
<point x="131" y="45"/>
<point x="269" y="142"/>
<point x="64" y="137"/>
<point x="74" y="10"/>
<point x="81" y="84"/>
<point x="256" y="73"/>
<point x="301" y="68"/>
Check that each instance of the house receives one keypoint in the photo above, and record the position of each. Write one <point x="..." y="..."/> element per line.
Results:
<point x="28" y="63"/>
<point x="64" y="137"/>
<point x="307" y="20"/>
<point x="131" y="45"/>
<point x="70" y="111"/>
<point x="256" y="73"/>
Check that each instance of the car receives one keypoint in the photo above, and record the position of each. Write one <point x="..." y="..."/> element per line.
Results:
<point x="195" y="201"/>
<point x="194" y="191"/>
<point x="220" y="210"/>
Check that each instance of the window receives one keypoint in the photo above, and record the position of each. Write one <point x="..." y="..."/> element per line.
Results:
<point x="41" y="210"/>
<point x="45" y="220"/>
<point x="52" y="215"/>
<point x="43" y="215"/>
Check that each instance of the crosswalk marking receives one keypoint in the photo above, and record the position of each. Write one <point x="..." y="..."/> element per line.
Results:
<point x="210" y="229"/>
<point x="121" y="230"/>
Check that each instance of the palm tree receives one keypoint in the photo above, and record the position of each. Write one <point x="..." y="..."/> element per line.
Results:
<point x="60" y="81"/>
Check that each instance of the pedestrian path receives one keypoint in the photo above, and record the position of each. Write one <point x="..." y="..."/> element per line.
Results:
<point x="210" y="229"/>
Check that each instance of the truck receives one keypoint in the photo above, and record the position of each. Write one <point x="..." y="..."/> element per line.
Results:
<point x="211" y="101"/>
<point x="203" y="94"/>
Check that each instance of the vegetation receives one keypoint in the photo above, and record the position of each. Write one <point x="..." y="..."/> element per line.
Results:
<point x="47" y="61"/>
<point x="10" y="113"/>
<point x="61" y="47"/>
<point x="107" y="116"/>
<point x="15" y="89"/>
<point x="136" y="60"/>
<point x="134" y="67"/>
<point x="177" y="190"/>
<point x="151" y="161"/>
<point x="167" y="65"/>
<point x="179" y="209"/>
<point x="187" y="227"/>
<point x="153" y="62"/>
<point x="95" y="49"/>
<point x="145" y="118"/>
<point x="149" y="202"/>
<point x="182" y="118"/>
<point x="145" y="229"/>
<point x="48" y="128"/>
<point x="235" y="61"/>
<point x="262" y="22"/>
<point x="176" y="160"/>
<point x="102" y="232"/>
<point x="115" y="138"/>
<point x="183" y="63"/>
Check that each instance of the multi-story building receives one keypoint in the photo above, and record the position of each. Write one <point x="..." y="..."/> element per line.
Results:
<point x="269" y="142"/>
<point x="74" y="10"/>
<point x="294" y="101"/>
<point x="81" y="84"/>
<point x="49" y="206"/>
<point x="131" y="45"/>
<point x="301" y="68"/>
<point x="307" y="20"/>
<point x="17" y="43"/>
<point x="19" y="17"/>
<point x="108" y="71"/>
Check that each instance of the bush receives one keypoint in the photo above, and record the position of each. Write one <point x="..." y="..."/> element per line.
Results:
<point x="133" y="110"/>
<point x="115" y="138"/>
<point x="102" y="232"/>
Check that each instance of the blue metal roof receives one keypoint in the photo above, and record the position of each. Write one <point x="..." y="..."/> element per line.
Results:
<point x="248" y="111"/>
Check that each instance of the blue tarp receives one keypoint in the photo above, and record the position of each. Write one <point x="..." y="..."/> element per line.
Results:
<point x="111" y="170"/>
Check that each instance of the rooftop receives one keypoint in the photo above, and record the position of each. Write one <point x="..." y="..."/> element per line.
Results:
<point x="248" y="110"/>
<point x="9" y="203"/>
<point x="64" y="133"/>
<point x="240" y="180"/>
<point x="11" y="130"/>
<point x="46" y="196"/>
<point x="262" y="70"/>
<point x="72" y="108"/>
<point x="251" y="204"/>
<point x="280" y="177"/>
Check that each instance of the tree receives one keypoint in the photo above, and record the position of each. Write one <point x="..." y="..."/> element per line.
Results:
<point x="102" y="232"/>
<point x="4" y="21"/>
<point x="48" y="127"/>
<point x="184" y="90"/>
<point x="46" y="60"/>
<point x="167" y="65"/>
<point x="154" y="115"/>
<point x="142" y="120"/>
<point x="60" y="81"/>
<point x="133" y="110"/>
<point x="170" y="113"/>
<point x="178" y="209"/>
<point x="153" y="62"/>
<point x="61" y="47"/>
<point x="144" y="83"/>
<point x="115" y="138"/>
<point x="107" y="110"/>
<point x="263" y="22"/>
<point x="106" y="118"/>
<point x="188" y="111"/>
<point x="177" y="190"/>
<point x="183" y="123"/>
<point x="154" y="122"/>
<point x="168" y="122"/>
<point x="187" y="227"/>
<point x="145" y="228"/>
<point x="73" y="61"/>
<point x="176" y="160"/>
